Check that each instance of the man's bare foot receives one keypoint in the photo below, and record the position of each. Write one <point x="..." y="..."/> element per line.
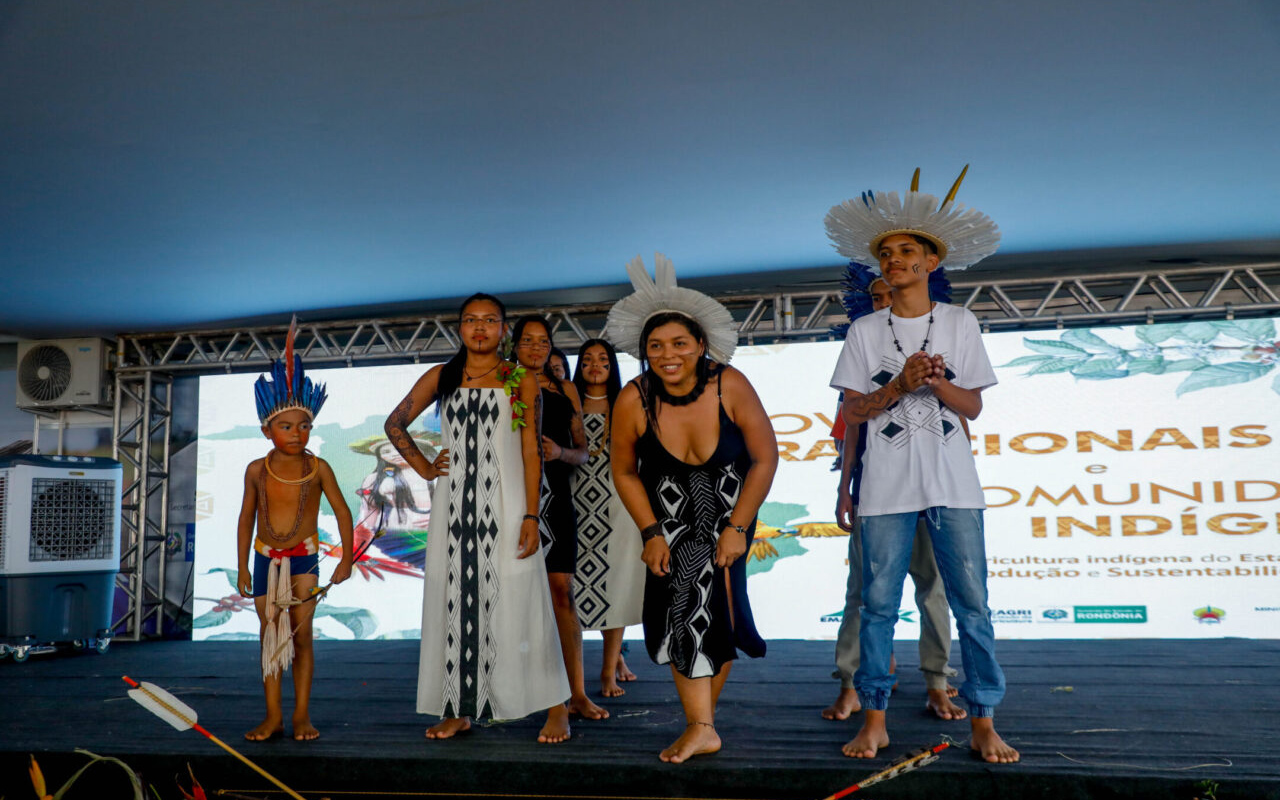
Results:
<point x="699" y="738"/>
<point x="988" y="745"/>
<point x="952" y="691"/>
<point x="583" y="707"/>
<point x="845" y="706"/>
<point x="624" y="672"/>
<point x="303" y="730"/>
<point x="270" y="728"/>
<point x="609" y="686"/>
<point x="557" y="728"/>
<point x="940" y="704"/>
<point x="449" y="727"/>
<point x="871" y="738"/>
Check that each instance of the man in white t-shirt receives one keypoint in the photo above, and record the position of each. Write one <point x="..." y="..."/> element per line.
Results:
<point x="911" y="372"/>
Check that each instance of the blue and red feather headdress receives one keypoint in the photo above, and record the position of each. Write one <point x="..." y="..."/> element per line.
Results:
<point x="286" y="387"/>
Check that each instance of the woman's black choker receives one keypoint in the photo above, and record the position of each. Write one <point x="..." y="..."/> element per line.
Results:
<point x="660" y="389"/>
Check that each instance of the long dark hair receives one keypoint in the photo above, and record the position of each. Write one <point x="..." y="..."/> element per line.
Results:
<point x="650" y="384"/>
<point x="613" y="385"/>
<point x="451" y="372"/>
<point x="518" y="330"/>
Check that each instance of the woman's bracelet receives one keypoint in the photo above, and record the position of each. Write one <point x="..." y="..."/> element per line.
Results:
<point x="650" y="532"/>
<point x="531" y="517"/>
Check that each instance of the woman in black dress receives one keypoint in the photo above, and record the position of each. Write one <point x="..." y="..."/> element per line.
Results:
<point x="564" y="447"/>
<point x="693" y="458"/>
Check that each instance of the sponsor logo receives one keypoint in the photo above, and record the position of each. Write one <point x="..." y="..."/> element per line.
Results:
<point x="1266" y="608"/>
<point x="1012" y="615"/>
<point x="1130" y="614"/>
<point x="905" y="615"/>
<point x="1055" y="614"/>
<point x="1209" y="615"/>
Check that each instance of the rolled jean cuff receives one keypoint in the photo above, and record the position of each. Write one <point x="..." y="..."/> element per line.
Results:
<point x="874" y="701"/>
<point x="981" y="712"/>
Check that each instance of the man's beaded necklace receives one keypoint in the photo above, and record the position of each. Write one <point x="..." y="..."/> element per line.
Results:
<point x="923" y="345"/>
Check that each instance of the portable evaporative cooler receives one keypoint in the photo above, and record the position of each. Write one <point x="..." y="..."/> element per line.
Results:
<point x="59" y="548"/>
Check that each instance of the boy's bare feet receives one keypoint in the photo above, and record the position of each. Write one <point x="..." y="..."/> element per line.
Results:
<point x="449" y="727"/>
<point x="557" y="728"/>
<point x="845" y="706"/>
<point x="988" y="745"/>
<point x="609" y="686"/>
<point x="624" y="672"/>
<point x="940" y="704"/>
<point x="871" y="738"/>
<point x="699" y="738"/>
<point x="303" y="730"/>
<point x="583" y="707"/>
<point x="270" y="728"/>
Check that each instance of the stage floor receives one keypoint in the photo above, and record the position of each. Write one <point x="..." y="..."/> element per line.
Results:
<point x="1131" y="718"/>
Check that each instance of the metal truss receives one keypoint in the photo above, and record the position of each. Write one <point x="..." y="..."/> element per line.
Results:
<point x="1001" y="303"/>
<point x="147" y="362"/>
<point x="141" y="442"/>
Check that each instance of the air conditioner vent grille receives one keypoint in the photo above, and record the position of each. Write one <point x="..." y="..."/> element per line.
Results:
<point x="71" y="520"/>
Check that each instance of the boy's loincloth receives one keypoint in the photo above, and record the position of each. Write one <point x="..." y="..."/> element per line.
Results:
<point x="304" y="558"/>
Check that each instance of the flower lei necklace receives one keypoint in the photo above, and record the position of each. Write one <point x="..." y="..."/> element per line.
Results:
<point x="511" y="376"/>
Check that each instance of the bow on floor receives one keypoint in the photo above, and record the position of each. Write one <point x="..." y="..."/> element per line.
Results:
<point x="911" y="761"/>
<point x="183" y="717"/>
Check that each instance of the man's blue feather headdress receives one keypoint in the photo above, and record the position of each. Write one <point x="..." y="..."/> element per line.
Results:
<point x="287" y="387"/>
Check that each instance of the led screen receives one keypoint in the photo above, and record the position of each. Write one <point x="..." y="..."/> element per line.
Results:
<point x="1130" y="474"/>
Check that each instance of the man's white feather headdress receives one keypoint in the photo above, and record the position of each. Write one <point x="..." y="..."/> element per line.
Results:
<point x="629" y="315"/>
<point x="963" y="236"/>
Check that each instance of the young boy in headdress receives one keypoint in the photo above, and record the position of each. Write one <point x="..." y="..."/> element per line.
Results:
<point x="282" y="495"/>
<point x="911" y="371"/>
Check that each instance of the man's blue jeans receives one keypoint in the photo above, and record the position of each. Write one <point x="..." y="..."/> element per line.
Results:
<point x="960" y="550"/>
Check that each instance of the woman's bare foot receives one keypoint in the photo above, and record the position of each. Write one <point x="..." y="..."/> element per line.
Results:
<point x="449" y="727"/>
<point x="988" y="745"/>
<point x="624" y="672"/>
<point x="940" y="704"/>
<point x="699" y="738"/>
<point x="583" y="707"/>
<point x="609" y="686"/>
<point x="303" y="730"/>
<point x="871" y="738"/>
<point x="845" y="706"/>
<point x="556" y="730"/>
<point x="270" y="728"/>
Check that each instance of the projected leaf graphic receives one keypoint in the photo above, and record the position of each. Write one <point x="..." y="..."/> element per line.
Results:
<point x="1214" y="354"/>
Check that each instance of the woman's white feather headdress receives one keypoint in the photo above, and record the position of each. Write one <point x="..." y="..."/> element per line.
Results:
<point x="628" y="315"/>
<point x="963" y="236"/>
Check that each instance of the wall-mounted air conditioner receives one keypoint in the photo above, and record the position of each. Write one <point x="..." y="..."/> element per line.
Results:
<point x="64" y="373"/>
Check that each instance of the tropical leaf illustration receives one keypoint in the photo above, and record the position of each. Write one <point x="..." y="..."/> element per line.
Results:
<point x="1213" y="353"/>
<point x="360" y="621"/>
<point x="1222" y="375"/>
<point x="211" y="619"/>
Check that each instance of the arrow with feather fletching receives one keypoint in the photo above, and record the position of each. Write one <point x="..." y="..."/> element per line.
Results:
<point x="183" y="717"/>
<point x="911" y="761"/>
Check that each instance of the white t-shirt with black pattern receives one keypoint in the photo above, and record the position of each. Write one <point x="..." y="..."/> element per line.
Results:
<point x="917" y="453"/>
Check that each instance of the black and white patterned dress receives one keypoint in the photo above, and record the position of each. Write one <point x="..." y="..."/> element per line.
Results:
<point x="490" y="648"/>
<point x="610" y="574"/>
<point x="687" y="618"/>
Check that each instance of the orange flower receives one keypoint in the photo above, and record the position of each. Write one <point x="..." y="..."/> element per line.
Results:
<point x="37" y="780"/>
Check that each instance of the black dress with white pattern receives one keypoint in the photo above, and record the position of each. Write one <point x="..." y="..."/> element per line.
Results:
<point x="688" y="619"/>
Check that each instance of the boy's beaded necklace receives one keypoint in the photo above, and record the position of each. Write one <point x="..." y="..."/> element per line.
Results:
<point x="923" y="345"/>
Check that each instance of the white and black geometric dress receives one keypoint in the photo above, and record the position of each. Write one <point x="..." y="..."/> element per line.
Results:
<point x="610" y="574"/>
<point x="490" y="648"/>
